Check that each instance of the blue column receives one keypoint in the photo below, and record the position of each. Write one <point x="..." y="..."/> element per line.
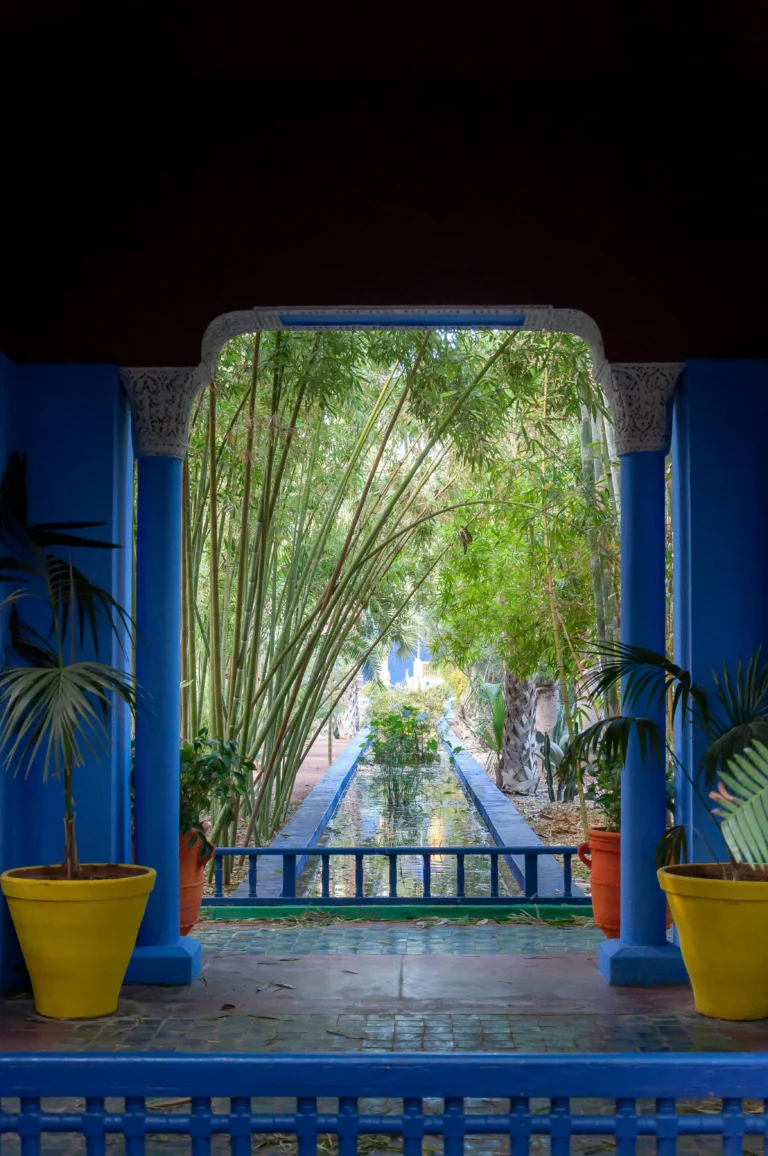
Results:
<point x="642" y="955"/>
<point x="162" y="955"/>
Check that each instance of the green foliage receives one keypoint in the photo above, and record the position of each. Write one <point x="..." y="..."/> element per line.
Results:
<point x="561" y="779"/>
<point x="605" y="792"/>
<point x="742" y="804"/>
<point x="211" y="772"/>
<point x="531" y="512"/>
<point x="403" y="739"/>
<point x="55" y="705"/>
<point x="391" y="700"/>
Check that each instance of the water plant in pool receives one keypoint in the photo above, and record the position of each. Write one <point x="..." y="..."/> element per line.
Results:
<point x="404" y="738"/>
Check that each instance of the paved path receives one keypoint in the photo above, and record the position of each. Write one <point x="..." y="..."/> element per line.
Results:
<point x="315" y="765"/>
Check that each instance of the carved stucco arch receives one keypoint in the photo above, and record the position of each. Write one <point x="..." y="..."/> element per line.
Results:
<point x="161" y="399"/>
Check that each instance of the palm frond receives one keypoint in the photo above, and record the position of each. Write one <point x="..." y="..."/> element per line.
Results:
<point x="646" y="678"/>
<point x="610" y="738"/>
<point x="742" y="804"/>
<point x="59" y="711"/>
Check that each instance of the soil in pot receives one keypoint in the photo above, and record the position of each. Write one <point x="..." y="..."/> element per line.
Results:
<point x="191" y="881"/>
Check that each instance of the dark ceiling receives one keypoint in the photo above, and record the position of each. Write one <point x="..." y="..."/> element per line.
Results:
<point x="643" y="205"/>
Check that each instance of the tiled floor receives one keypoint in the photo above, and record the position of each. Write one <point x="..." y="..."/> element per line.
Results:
<point x="406" y="938"/>
<point x="399" y="987"/>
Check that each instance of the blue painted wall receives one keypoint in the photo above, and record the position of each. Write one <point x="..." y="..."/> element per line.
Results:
<point x="73" y="421"/>
<point x="720" y="477"/>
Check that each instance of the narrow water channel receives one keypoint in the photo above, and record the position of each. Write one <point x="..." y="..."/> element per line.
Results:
<point x="407" y="807"/>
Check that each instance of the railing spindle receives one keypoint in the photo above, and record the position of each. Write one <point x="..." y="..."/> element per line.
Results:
<point x="29" y="1126"/>
<point x="392" y="876"/>
<point x="200" y="1126"/>
<point x="134" y="1125"/>
<point x="667" y="1127"/>
<point x="240" y="1126"/>
<point x="427" y="876"/>
<point x="459" y="876"/>
<point x="733" y="1127"/>
<point x="306" y="1125"/>
<point x="252" y="868"/>
<point x="289" y="876"/>
<point x="325" y="876"/>
<point x="519" y="1126"/>
<point x="218" y="875"/>
<point x="560" y="1126"/>
<point x="454" y="1126"/>
<point x="531" y="876"/>
<point x="413" y="1126"/>
<point x="626" y="1127"/>
<point x="494" y="876"/>
<point x="567" y="876"/>
<point x="358" y="876"/>
<point x="93" y="1126"/>
<point x="348" y="1126"/>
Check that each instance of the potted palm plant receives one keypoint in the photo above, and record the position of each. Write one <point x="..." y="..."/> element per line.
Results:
<point x="720" y="909"/>
<point x="214" y="777"/>
<point x="77" y="922"/>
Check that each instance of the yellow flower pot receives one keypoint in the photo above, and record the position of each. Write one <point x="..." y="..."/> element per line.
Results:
<point x="723" y="929"/>
<point x="77" y="935"/>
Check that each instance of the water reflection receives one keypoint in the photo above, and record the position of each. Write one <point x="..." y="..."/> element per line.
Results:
<point x="402" y="807"/>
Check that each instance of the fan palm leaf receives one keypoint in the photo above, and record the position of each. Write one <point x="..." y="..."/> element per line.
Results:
<point x="59" y="711"/>
<point x="742" y="804"/>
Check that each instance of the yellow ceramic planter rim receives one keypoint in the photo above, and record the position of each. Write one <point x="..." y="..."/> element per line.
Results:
<point x="675" y="882"/>
<point x="18" y="884"/>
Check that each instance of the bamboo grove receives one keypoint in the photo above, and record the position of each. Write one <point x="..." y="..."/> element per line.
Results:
<point x="328" y="480"/>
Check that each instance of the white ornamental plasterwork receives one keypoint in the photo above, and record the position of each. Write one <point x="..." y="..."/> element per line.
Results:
<point x="640" y="398"/>
<point x="161" y="403"/>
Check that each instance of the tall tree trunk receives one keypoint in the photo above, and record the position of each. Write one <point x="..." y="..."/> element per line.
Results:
<point x="519" y="772"/>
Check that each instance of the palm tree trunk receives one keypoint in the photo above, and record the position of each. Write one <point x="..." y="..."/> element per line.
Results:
<point x="519" y="771"/>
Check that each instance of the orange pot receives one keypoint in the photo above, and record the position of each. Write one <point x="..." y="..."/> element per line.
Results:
<point x="602" y="856"/>
<point x="191" y="880"/>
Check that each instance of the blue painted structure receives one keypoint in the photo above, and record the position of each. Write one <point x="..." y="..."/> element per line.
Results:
<point x="721" y="545"/>
<point x="309" y="822"/>
<point x="642" y="955"/>
<point x="161" y="954"/>
<point x="612" y="1085"/>
<point x="73" y="423"/>
<point x="291" y="860"/>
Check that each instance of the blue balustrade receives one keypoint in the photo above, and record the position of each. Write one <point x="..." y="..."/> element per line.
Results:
<point x="292" y="856"/>
<point x="617" y="1099"/>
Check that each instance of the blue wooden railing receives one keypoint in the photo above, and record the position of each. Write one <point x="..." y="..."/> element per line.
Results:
<point x="294" y="859"/>
<point x="306" y="1097"/>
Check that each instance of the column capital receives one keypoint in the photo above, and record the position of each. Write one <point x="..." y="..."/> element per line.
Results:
<point x="161" y="402"/>
<point x="640" y="397"/>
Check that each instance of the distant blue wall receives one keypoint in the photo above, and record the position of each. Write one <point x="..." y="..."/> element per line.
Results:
<point x="73" y="421"/>
<point x="720" y="477"/>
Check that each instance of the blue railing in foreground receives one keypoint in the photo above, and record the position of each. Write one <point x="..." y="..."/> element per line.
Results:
<point x="618" y="1097"/>
<point x="293" y="857"/>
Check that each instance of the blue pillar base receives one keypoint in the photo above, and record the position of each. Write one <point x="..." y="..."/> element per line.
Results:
<point x="629" y="965"/>
<point x="171" y="963"/>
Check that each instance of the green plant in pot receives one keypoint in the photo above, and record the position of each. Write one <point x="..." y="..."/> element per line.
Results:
<point x="214" y="778"/>
<point x="720" y="909"/>
<point x="77" y="922"/>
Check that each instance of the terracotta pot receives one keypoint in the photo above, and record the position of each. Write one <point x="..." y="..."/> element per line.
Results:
<point x="602" y="856"/>
<point x="191" y="881"/>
